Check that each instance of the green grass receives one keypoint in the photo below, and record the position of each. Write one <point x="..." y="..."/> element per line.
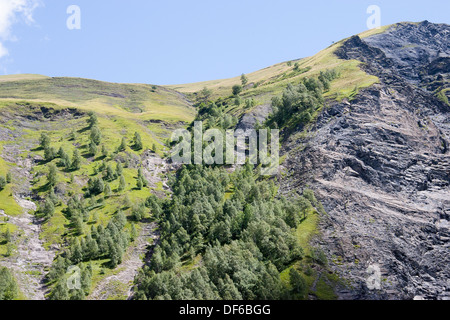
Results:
<point x="306" y="230"/>
<point x="442" y="95"/>
<point x="4" y="226"/>
<point x="108" y="98"/>
<point x="54" y="230"/>
<point x="7" y="202"/>
<point x="120" y="291"/>
<point x="321" y="283"/>
<point x="92" y="94"/>
<point x="324" y="287"/>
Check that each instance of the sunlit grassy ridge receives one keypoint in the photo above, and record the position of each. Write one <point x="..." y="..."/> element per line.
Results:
<point x="126" y="100"/>
<point x="271" y="81"/>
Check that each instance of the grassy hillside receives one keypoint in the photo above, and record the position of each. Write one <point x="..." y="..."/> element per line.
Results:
<point x="271" y="81"/>
<point x="124" y="100"/>
<point x="34" y="106"/>
<point x="21" y="126"/>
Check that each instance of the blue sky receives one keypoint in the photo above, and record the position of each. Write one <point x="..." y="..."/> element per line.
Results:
<point x="169" y="42"/>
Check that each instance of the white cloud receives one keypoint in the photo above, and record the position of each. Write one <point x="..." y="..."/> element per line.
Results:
<point x="12" y="11"/>
<point x="3" y="50"/>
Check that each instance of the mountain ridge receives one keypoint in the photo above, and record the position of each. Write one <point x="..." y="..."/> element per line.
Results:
<point x="376" y="154"/>
<point x="380" y="164"/>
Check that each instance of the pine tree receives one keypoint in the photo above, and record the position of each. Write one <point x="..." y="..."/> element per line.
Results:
<point x="120" y="219"/>
<point x="244" y="80"/>
<point x="8" y="235"/>
<point x="119" y="169"/>
<point x="72" y="136"/>
<point x="93" y="120"/>
<point x="96" y="135"/>
<point x="64" y="159"/>
<point x="86" y="275"/>
<point x="78" y="225"/>
<point x="107" y="190"/>
<point x="92" y="247"/>
<point x="2" y="183"/>
<point x="104" y="151"/>
<point x="58" y="269"/>
<point x="52" y="196"/>
<point x="137" y="141"/>
<point x="8" y="177"/>
<point x="138" y="212"/>
<point x="8" y="285"/>
<point x="60" y="152"/>
<point x="110" y="174"/>
<point x="298" y="283"/>
<point x="133" y="233"/>
<point x="60" y="291"/>
<point x="77" y="253"/>
<point x="123" y="144"/>
<point x="76" y="161"/>
<point x="113" y="254"/>
<point x="122" y="184"/>
<point x="237" y="89"/>
<point x="142" y="178"/>
<point x="49" y="153"/>
<point x="127" y="201"/>
<point x="52" y="177"/>
<point x="44" y="141"/>
<point x="139" y="183"/>
<point x="92" y="149"/>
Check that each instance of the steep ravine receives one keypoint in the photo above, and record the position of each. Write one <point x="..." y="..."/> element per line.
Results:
<point x="120" y="284"/>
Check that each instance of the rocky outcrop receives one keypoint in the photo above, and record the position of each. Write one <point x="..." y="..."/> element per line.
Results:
<point x="380" y="164"/>
<point x="257" y="115"/>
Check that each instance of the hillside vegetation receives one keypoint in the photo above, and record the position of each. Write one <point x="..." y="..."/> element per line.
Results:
<point x="125" y="100"/>
<point x="87" y="162"/>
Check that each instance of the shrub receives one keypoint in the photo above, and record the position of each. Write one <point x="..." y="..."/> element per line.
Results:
<point x="237" y="89"/>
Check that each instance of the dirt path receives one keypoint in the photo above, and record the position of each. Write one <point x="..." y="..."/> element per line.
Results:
<point x="120" y="285"/>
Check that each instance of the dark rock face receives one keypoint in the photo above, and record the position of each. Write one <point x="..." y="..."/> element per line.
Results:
<point x="258" y="114"/>
<point x="381" y="166"/>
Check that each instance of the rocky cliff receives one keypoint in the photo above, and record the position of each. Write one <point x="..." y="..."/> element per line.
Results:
<point x="380" y="164"/>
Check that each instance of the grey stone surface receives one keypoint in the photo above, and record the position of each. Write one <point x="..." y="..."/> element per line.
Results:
<point x="380" y="164"/>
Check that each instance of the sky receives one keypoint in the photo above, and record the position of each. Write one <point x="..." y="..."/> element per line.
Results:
<point x="174" y="42"/>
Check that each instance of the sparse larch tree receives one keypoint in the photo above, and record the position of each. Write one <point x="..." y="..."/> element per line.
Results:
<point x="52" y="175"/>
<point x="137" y="141"/>
<point x="244" y="80"/>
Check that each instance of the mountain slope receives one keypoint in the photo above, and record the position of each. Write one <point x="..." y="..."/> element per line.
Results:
<point x="380" y="163"/>
<point x="376" y="154"/>
<point x="32" y="106"/>
<point x="125" y="100"/>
